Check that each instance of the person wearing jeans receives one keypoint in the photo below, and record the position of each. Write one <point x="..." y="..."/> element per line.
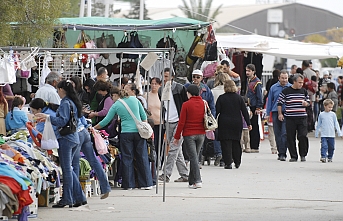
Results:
<point x="191" y="125"/>
<point x="278" y="126"/>
<point x="86" y="147"/>
<point x="131" y="144"/>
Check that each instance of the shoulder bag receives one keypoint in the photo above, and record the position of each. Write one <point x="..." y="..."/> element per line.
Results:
<point x="71" y="125"/>
<point x="210" y="123"/>
<point x="144" y="129"/>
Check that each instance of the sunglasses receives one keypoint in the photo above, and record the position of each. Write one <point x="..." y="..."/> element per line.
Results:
<point x="197" y="77"/>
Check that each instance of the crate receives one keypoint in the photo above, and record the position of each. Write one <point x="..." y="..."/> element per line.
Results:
<point x="34" y="206"/>
<point x="3" y="218"/>
<point x="86" y="187"/>
<point x="43" y="198"/>
<point x="95" y="188"/>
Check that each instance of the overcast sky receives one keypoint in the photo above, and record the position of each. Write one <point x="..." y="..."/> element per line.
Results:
<point x="335" y="6"/>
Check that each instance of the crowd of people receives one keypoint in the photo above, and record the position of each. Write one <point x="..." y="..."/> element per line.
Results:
<point x="292" y="103"/>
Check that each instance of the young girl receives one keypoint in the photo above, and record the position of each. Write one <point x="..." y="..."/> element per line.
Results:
<point x="16" y="119"/>
<point x="3" y="113"/>
<point x="327" y="123"/>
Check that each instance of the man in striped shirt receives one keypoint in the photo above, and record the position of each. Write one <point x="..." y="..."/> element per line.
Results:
<point x="296" y="100"/>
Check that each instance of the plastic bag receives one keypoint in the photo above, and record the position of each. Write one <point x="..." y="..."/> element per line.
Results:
<point x="49" y="140"/>
<point x="99" y="143"/>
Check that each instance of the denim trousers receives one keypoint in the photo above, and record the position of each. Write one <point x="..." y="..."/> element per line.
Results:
<point x="86" y="147"/>
<point x="72" y="191"/>
<point x="328" y="147"/>
<point x="134" y="147"/>
<point x="194" y="144"/>
<point x="280" y="135"/>
<point x="175" y="154"/>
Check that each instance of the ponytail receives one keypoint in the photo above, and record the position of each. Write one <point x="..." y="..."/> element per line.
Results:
<point x="67" y="86"/>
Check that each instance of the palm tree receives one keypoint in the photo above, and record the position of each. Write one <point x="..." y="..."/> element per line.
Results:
<point x="196" y="10"/>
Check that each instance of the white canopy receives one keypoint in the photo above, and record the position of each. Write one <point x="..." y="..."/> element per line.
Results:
<point x="281" y="47"/>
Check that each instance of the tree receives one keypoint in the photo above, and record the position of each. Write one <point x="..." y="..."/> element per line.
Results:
<point x="196" y="10"/>
<point x="29" y="22"/>
<point x="134" y="11"/>
<point x="316" y="38"/>
<point x="335" y="34"/>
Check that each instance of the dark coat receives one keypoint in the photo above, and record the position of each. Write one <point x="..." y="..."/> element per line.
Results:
<point x="230" y="107"/>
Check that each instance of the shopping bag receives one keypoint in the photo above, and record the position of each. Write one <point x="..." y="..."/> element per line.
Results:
<point x="260" y="126"/>
<point x="49" y="140"/>
<point x="99" y="143"/>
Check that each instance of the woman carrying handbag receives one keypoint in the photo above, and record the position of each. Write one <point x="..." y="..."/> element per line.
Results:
<point x="132" y="145"/>
<point x="67" y="117"/>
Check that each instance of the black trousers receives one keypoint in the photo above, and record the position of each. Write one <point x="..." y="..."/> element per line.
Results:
<point x="255" y="132"/>
<point x="297" y="127"/>
<point x="231" y="150"/>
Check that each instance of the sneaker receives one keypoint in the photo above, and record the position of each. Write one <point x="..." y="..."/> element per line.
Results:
<point x="323" y="160"/>
<point x="198" y="185"/>
<point x="146" y="188"/>
<point x="302" y="159"/>
<point x="247" y="150"/>
<point x="282" y="158"/>
<point x="128" y="189"/>
<point x="228" y="167"/>
<point x="105" y="195"/>
<point x="161" y="178"/>
<point x="181" y="179"/>
<point x="193" y="186"/>
<point x="329" y="160"/>
<point x="237" y="166"/>
<point x="254" y="151"/>
<point x="293" y="160"/>
<point x="221" y="164"/>
<point x="217" y="160"/>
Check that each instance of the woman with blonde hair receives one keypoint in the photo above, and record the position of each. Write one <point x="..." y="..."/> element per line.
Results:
<point x="230" y="123"/>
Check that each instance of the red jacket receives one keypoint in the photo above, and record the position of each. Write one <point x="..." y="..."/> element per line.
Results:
<point x="191" y="120"/>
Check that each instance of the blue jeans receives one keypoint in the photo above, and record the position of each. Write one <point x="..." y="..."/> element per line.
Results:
<point x="280" y="135"/>
<point x="194" y="144"/>
<point x="72" y="191"/>
<point x="133" y="146"/>
<point x="87" y="149"/>
<point x="328" y="147"/>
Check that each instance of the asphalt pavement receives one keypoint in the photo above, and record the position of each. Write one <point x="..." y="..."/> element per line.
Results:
<point x="263" y="188"/>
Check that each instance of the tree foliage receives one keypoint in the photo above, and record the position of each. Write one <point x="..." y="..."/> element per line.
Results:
<point x="134" y="11"/>
<point x="29" y="22"/>
<point x="335" y="35"/>
<point x="316" y="38"/>
<point x="196" y="10"/>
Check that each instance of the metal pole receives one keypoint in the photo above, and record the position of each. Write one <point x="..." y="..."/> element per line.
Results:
<point x="82" y="9"/>
<point x="89" y="8"/>
<point x="121" y="69"/>
<point x="107" y="8"/>
<point x="141" y="10"/>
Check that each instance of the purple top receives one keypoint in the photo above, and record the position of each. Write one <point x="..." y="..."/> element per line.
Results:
<point x="107" y="105"/>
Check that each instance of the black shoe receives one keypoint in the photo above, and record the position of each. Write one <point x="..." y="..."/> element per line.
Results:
<point x="303" y="159"/>
<point x="237" y="166"/>
<point x="282" y="158"/>
<point x="228" y="167"/>
<point x="293" y="160"/>
<point x="221" y="164"/>
<point x="80" y="204"/>
<point x="61" y="205"/>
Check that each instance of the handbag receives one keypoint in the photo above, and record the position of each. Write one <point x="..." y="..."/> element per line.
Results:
<point x="71" y="125"/>
<point x="49" y="140"/>
<point x="199" y="50"/>
<point x="144" y="128"/>
<point x="210" y="123"/>
<point x="134" y="43"/>
<point x="99" y="143"/>
<point x="123" y="44"/>
<point x="127" y="68"/>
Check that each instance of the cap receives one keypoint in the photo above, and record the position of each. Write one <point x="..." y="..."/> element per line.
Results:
<point x="197" y="72"/>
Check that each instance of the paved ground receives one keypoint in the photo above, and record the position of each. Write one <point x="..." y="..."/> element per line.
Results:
<point x="261" y="189"/>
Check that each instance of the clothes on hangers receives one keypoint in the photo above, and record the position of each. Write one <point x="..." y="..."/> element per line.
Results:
<point x="158" y="67"/>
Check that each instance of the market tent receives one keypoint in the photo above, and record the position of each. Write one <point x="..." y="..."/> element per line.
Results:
<point x="280" y="47"/>
<point x="113" y="24"/>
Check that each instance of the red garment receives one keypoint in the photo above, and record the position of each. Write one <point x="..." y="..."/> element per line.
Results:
<point x="191" y="120"/>
<point x="23" y="196"/>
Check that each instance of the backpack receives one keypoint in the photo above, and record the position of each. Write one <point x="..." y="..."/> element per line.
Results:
<point x="166" y="42"/>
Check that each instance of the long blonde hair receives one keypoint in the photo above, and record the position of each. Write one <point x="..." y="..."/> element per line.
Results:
<point x="221" y="78"/>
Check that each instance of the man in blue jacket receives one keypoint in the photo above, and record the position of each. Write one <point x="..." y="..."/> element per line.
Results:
<point x="255" y="100"/>
<point x="279" y="126"/>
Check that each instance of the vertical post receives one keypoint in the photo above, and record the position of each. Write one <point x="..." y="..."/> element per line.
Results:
<point x="89" y="8"/>
<point x="141" y="10"/>
<point x="107" y="8"/>
<point x="82" y="9"/>
<point x="121" y="69"/>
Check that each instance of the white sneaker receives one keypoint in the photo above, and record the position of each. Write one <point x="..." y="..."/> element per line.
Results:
<point x="198" y="185"/>
<point x="193" y="186"/>
<point x="146" y="188"/>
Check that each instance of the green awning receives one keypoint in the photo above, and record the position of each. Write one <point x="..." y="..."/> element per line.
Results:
<point x="112" y="24"/>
